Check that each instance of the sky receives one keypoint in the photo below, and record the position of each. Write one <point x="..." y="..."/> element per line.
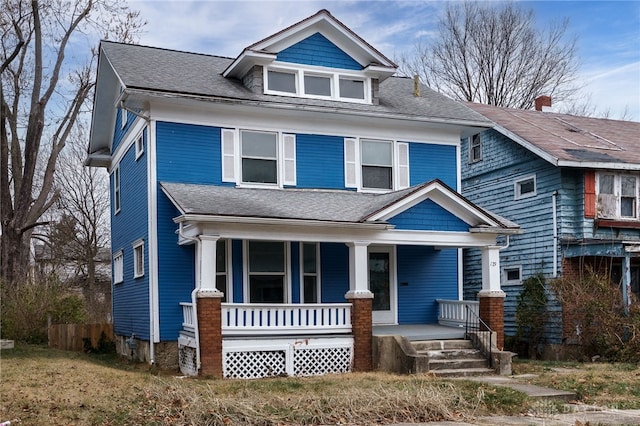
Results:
<point x="607" y="34"/>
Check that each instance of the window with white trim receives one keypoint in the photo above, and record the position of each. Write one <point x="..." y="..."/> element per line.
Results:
<point x="116" y="189"/>
<point x="118" y="267"/>
<point x="317" y="82"/>
<point x="266" y="265"/>
<point x="524" y="188"/>
<point x="138" y="259"/>
<point x="310" y="269"/>
<point x="618" y="196"/>
<point x="123" y="118"/>
<point x="261" y="158"/>
<point x="512" y="275"/>
<point x="222" y="276"/>
<point x="475" y="148"/>
<point x="376" y="165"/>
<point x="139" y="145"/>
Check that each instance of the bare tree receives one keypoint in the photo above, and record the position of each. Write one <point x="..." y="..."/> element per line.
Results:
<point x="43" y="96"/>
<point x="493" y="53"/>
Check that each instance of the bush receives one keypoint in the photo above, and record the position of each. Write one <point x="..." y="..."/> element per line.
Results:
<point x="531" y="314"/>
<point x="26" y="307"/>
<point x="597" y="314"/>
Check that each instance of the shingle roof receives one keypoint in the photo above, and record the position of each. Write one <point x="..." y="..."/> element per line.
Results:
<point x="572" y="140"/>
<point x="298" y="204"/>
<point x="170" y="71"/>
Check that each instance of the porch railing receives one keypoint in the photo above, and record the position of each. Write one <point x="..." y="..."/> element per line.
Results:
<point x="480" y="333"/>
<point x="454" y="312"/>
<point x="250" y="319"/>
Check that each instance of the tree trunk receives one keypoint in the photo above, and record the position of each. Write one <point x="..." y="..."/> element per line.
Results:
<point x="14" y="251"/>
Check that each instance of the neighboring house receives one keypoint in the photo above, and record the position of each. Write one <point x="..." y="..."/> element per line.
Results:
<point x="268" y="210"/>
<point x="573" y="185"/>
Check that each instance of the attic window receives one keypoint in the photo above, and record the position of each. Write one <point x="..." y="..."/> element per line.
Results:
<point x="317" y="83"/>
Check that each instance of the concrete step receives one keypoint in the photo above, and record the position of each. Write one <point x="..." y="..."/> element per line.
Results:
<point x="431" y="345"/>
<point x="453" y="354"/>
<point x="460" y="363"/>
<point x="462" y="372"/>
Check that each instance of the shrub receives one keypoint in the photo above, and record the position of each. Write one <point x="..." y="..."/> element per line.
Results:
<point x="597" y="314"/>
<point x="531" y="313"/>
<point x="25" y="308"/>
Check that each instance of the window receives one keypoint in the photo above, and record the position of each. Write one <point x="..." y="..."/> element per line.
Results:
<point x="123" y="118"/>
<point x="525" y="188"/>
<point x="118" y="267"/>
<point x="116" y="189"/>
<point x="512" y="275"/>
<point x="138" y="259"/>
<point x="316" y="83"/>
<point x="221" y="269"/>
<point x="139" y="146"/>
<point x="475" y="148"/>
<point x="618" y="196"/>
<point x="310" y="273"/>
<point x="259" y="157"/>
<point x="377" y="164"/>
<point x="266" y="271"/>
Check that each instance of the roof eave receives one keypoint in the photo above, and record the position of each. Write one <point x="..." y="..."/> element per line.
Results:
<point x="247" y="59"/>
<point x="206" y="218"/>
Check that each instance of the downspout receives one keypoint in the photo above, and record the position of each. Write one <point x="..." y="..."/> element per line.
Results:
<point x="554" y="208"/>
<point x="194" y="299"/>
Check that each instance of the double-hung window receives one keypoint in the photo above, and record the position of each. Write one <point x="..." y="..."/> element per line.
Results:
<point x="118" y="267"/>
<point x="116" y="189"/>
<point x="475" y="148"/>
<point x="266" y="270"/>
<point x="138" y="259"/>
<point x="259" y="157"/>
<point x="310" y="273"/>
<point x="618" y="196"/>
<point x="221" y="269"/>
<point x="139" y="145"/>
<point x="376" y="165"/>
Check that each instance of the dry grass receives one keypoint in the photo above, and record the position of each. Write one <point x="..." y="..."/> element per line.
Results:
<point x="603" y="384"/>
<point x="45" y="386"/>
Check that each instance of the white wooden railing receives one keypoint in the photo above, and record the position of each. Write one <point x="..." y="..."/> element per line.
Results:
<point x="251" y="319"/>
<point x="188" y="317"/>
<point x="257" y="319"/>
<point x="454" y="312"/>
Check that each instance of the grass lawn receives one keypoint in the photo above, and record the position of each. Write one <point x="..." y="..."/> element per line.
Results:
<point x="40" y="386"/>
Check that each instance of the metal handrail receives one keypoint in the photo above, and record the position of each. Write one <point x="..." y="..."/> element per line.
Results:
<point x="473" y="323"/>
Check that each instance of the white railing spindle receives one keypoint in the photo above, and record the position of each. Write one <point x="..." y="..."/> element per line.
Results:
<point x="454" y="312"/>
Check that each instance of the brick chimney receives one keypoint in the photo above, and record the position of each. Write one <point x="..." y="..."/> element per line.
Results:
<point x="543" y="101"/>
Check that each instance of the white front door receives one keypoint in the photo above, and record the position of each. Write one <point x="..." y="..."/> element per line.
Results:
<point x="382" y="284"/>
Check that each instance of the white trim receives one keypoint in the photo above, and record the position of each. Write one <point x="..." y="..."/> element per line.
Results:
<point x="124" y="115"/>
<point x="118" y="267"/>
<point x="317" y="273"/>
<point x="505" y="271"/>
<point x="138" y="246"/>
<point x="391" y="316"/>
<point x="152" y="246"/>
<point x="470" y="139"/>
<point x="117" y="189"/>
<point x="517" y="187"/>
<point x="127" y="142"/>
<point x="139" y="146"/>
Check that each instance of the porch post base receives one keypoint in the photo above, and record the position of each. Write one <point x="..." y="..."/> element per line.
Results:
<point x="362" y="326"/>
<point x="492" y="313"/>
<point x="209" y="312"/>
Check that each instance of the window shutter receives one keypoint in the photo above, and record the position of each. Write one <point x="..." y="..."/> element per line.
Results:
<point x="351" y="172"/>
<point x="289" y="159"/>
<point x="590" y="194"/>
<point x="229" y="155"/>
<point x="402" y="165"/>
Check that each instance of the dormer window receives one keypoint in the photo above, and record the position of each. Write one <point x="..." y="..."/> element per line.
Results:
<point x="317" y="83"/>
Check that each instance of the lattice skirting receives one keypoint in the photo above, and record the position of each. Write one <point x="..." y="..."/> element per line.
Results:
<point x="253" y="359"/>
<point x="187" y="360"/>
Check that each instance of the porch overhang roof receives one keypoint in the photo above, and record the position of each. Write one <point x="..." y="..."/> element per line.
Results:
<point x="330" y="208"/>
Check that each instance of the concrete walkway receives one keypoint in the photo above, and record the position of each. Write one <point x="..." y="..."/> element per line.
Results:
<point x="533" y="391"/>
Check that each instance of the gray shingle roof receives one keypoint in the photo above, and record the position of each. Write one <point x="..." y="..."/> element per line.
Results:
<point x="571" y="138"/>
<point x="170" y="71"/>
<point x="298" y="204"/>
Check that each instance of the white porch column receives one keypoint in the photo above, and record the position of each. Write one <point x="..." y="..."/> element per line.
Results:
<point x="206" y="255"/>
<point x="626" y="281"/>
<point x="358" y="271"/>
<point x="491" y="272"/>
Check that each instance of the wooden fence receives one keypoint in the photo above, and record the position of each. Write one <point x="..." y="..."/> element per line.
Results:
<point x="70" y="337"/>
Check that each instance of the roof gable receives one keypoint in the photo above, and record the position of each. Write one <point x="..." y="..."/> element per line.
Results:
<point x="266" y="51"/>
<point x="320" y="51"/>
<point x="428" y="216"/>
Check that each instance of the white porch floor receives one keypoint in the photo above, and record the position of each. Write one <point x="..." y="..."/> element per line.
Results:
<point x="420" y="331"/>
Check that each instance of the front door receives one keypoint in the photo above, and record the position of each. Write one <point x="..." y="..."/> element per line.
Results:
<point x="382" y="284"/>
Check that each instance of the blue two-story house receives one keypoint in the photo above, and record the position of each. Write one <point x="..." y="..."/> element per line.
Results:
<point x="573" y="185"/>
<point x="268" y="210"/>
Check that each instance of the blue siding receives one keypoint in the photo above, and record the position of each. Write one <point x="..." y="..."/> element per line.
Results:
<point x="188" y="153"/>
<point x="131" y="297"/>
<point x="428" y="215"/>
<point x="424" y="275"/>
<point x="317" y="50"/>
<point x="430" y="161"/>
<point x="334" y="269"/>
<point x="238" y="277"/>
<point x="320" y="161"/>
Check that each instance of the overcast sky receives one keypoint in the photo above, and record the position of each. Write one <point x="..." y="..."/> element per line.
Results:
<point x="608" y="33"/>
